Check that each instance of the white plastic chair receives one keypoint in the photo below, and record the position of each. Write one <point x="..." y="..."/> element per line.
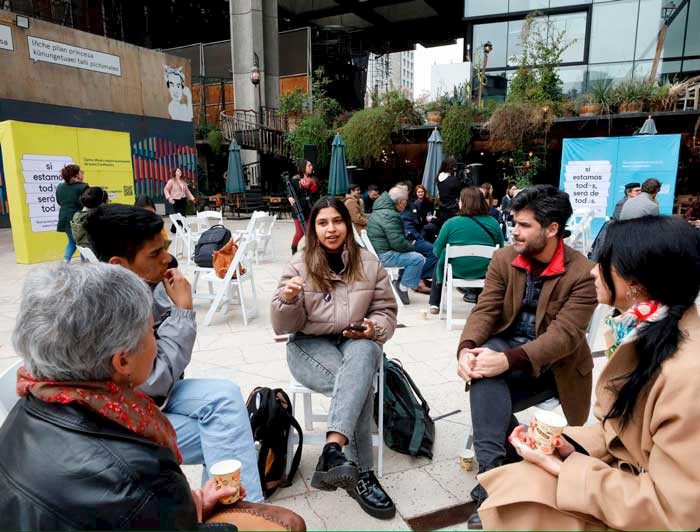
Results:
<point x="319" y="438"/>
<point x="225" y="287"/>
<point x="240" y="233"/>
<point x="580" y="227"/>
<point x="205" y="219"/>
<point x="261" y="234"/>
<point x="393" y="272"/>
<point x="357" y="236"/>
<point x="449" y="282"/>
<point x="88" y="255"/>
<point x="185" y="234"/>
<point x="8" y="390"/>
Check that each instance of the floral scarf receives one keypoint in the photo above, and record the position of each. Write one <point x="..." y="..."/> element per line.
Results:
<point x="624" y="326"/>
<point x="129" y="408"/>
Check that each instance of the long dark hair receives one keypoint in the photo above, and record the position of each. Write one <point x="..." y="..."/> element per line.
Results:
<point x="315" y="256"/>
<point x="473" y="202"/>
<point x="662" y="255"/>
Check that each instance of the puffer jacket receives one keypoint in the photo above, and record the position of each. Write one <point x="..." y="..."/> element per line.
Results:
<point x="64" y="467"/>
<point x="358" y="217"/>
<point x="385" y="227"/>
<point x="316" y="313"/>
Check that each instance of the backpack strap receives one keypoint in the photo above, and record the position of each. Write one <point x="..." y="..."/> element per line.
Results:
<point x="420" y="413"/>
<point x="297" y="455"/>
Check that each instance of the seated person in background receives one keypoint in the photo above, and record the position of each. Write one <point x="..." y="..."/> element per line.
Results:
<point x="424" y="209"/>
<point x="369" y="197"/>
<point x="645" y="203"/>
<point x="487" y="191"/>
<point x="92" y="198"/>
<point x="386" y="232"/>
<point x="525" y="341"/>
<point x="472" y="226"/>
<point x="336" y="301"/>
<point x="632" y="190"/>
<point x="83" y="448"/>
<point x="511" y="190"/>
<point x="449" y="186"/>
<point x="693" y="213"/>
<point x="352" y="202"/>
<point x="636" y="468"/>
<point x="145" y="202"/>
<point x="413" y="232"/>
<point x="209" y="415"/>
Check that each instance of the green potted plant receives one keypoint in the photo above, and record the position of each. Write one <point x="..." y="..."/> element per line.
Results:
<point x="457" y="131"/>
<point x="367" y="133"/>
<point x="400" y="108"/>
<point x="292" y="106"/>
<point x="599" y="99"/>
<point x="631" y="95"/>
<point x="435" y="110"/>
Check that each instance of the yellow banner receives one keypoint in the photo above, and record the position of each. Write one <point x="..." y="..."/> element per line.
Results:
<point x="33" y="156"/>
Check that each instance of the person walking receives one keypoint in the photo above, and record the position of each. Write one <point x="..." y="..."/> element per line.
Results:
<point x="335" y="301"/>
<point x="68" y="198"/>
<point x="177" y="193"/>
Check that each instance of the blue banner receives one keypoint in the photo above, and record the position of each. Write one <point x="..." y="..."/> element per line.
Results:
<point x="594" y="171"/>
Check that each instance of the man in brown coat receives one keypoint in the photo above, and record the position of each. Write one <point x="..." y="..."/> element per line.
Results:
<point x="525" y="341"/>
<point x="352" y="202"/>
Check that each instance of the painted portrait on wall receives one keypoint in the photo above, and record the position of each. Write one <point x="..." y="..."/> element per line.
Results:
<point x="180" y="106"/>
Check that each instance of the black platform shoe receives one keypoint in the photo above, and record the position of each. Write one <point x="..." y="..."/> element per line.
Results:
<point x="478" y="495"/>
<point x="334" y="470"/>
<point x="372" y="498"/>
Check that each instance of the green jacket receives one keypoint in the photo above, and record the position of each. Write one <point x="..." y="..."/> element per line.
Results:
<point x="77" y="226"/>
<point x="68" y="197"/>
<point x="464" y="231"/>
<point x="385" y="227"/>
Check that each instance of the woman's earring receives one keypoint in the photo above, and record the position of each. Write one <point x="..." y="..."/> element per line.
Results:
<point x="129" y="382"/>
<point x="634" y="293"/>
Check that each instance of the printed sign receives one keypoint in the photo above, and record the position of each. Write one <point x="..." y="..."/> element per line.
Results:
<point x="6" y="38"/>
<point x="42" y="174"/>
<point x="588" y="185"/>
<point x="73" y="56"/>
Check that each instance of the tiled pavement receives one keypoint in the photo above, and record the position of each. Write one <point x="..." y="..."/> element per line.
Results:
<point x="249" y="356"/>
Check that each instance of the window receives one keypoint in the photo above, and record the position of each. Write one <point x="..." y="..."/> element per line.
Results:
<point x="692" y="39"/>
<point x="478" y="8"/>
<point x="562" y="3"/>
<point x="612" y="71"/>
<point x="527" y="5"/>
<point x="497" y="34"/>
<point x="673" y="46"/>
<point x="573" y="79"/>
<point x="648" y="28"/>
<point x="613" y="31"/>
<point x="574" y="27"/>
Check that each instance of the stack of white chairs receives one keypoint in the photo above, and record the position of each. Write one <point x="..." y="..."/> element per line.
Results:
<point x="229" y="290"/>
<point x="450" y="282"/>
<point x="393" y="272"/>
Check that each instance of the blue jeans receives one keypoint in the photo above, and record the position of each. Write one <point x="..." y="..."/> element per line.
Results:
<point x="70" y="247"/>
<point x="411" y="262"/>
<point x="344" y="371"/>
<point x="425" y="248"/>
<point x="211" y="422"/>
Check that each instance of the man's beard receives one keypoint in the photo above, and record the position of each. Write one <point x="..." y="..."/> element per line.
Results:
<point x="535" y="247"/>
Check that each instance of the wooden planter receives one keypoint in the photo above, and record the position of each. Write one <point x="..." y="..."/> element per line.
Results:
<point x="589" y="109"/>
<point x="434" y="117"/>
<point x="630" y="107"/>
<point x="404" y="121"/>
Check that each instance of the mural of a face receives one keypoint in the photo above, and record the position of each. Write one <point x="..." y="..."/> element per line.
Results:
<point x="175" y="86"/>
<point x="180" y="106"/>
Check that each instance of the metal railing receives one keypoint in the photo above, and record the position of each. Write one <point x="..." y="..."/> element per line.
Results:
<point x="243" y="126"/>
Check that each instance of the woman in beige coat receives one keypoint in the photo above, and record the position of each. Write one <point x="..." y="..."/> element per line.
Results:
<point x="638" y="466"/>
<point x="335" y="300"/>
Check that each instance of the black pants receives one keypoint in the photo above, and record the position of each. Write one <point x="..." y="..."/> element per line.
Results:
<point x="494" y="400"/>
<point x="180" y="207"/>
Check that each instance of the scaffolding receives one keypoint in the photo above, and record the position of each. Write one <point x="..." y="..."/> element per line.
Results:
<point x="378" y="77"/>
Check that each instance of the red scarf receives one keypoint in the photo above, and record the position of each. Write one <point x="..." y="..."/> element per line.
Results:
<point x="129" y="408"/>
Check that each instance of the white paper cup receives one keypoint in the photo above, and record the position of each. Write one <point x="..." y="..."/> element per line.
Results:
<point x="227" y="473"/>
<point x="466" y="459"/>
<point x="548" y="425"/>
<point x="423" y="314"/>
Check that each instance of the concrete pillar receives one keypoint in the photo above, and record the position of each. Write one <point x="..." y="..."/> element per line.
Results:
<point x="271" y="54"/>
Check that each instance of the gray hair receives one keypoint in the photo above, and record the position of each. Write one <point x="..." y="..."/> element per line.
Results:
<point x="397" y="194"/>
<point x="73" y="319"/>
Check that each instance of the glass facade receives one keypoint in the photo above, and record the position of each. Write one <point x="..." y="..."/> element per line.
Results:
<point x="620" y="44"/>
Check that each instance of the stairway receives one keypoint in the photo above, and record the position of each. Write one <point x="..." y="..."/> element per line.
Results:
<point x="266" y="136"/>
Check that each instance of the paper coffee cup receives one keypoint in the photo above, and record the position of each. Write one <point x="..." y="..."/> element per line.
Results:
<point x="466" y="459"/>
<point x="423" y="314"/>
<point x="227" y="473"/>
<point x="548" y="425"/>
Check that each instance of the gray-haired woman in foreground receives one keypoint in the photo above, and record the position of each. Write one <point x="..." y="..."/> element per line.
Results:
<point x="82" y="448"/>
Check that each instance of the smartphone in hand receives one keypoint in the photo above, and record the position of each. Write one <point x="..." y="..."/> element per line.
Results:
<point x="360" y="327"/>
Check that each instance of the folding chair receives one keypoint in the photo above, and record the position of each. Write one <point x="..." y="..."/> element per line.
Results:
<point x="580" y="228"/>
<point x="261" y="234"/>
<point x="295" y="388"/>
<point x="8" y="390"/>
<point x="393" y="272"/>
<point x="185" y="234"/>
<point x="358" y="238"/>
<point x="449" y="282"/>
<point x="88" y="255"/>
<point x="225" y="287"/>
<point x="204" y="219"/>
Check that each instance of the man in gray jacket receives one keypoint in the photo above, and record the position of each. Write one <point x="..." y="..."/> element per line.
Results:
<point x="645" y="204"/>
<point x="209" y="415"/>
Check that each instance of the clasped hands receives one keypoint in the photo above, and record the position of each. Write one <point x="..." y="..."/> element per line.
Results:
<point x="480" y="362"/>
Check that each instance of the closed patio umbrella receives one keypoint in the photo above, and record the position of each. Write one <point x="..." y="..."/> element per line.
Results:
<point x="338" y="181"/>
<point x="433" y="163"/>
<point x="235" y="184"/>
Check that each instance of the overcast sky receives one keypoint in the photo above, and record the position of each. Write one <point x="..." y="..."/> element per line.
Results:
<point x="425" y="58"/>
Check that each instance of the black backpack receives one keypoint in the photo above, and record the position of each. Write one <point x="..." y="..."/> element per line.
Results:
<point x="270" y="414"/>
<point x="408" y="428"/>
<point x="211" y="240"/>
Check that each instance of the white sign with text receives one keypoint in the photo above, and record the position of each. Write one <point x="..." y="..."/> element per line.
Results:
<point x="72" y="56"/>
<point x="588" y="185"/>
<point x="42" y="174"/>
<point x="6" y="38"/>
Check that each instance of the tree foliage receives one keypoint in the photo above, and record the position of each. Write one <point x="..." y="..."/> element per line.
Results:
<point x="457" y="131"/>
<point x="368" y="132"/>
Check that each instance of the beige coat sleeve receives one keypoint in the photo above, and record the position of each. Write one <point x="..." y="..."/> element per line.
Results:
<point x="290" y="317"/>
<point x="592" y="439"/>
<point x="356" y="214"/>
<point x="383" y="308"/>
<point x="665" y="496"/>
